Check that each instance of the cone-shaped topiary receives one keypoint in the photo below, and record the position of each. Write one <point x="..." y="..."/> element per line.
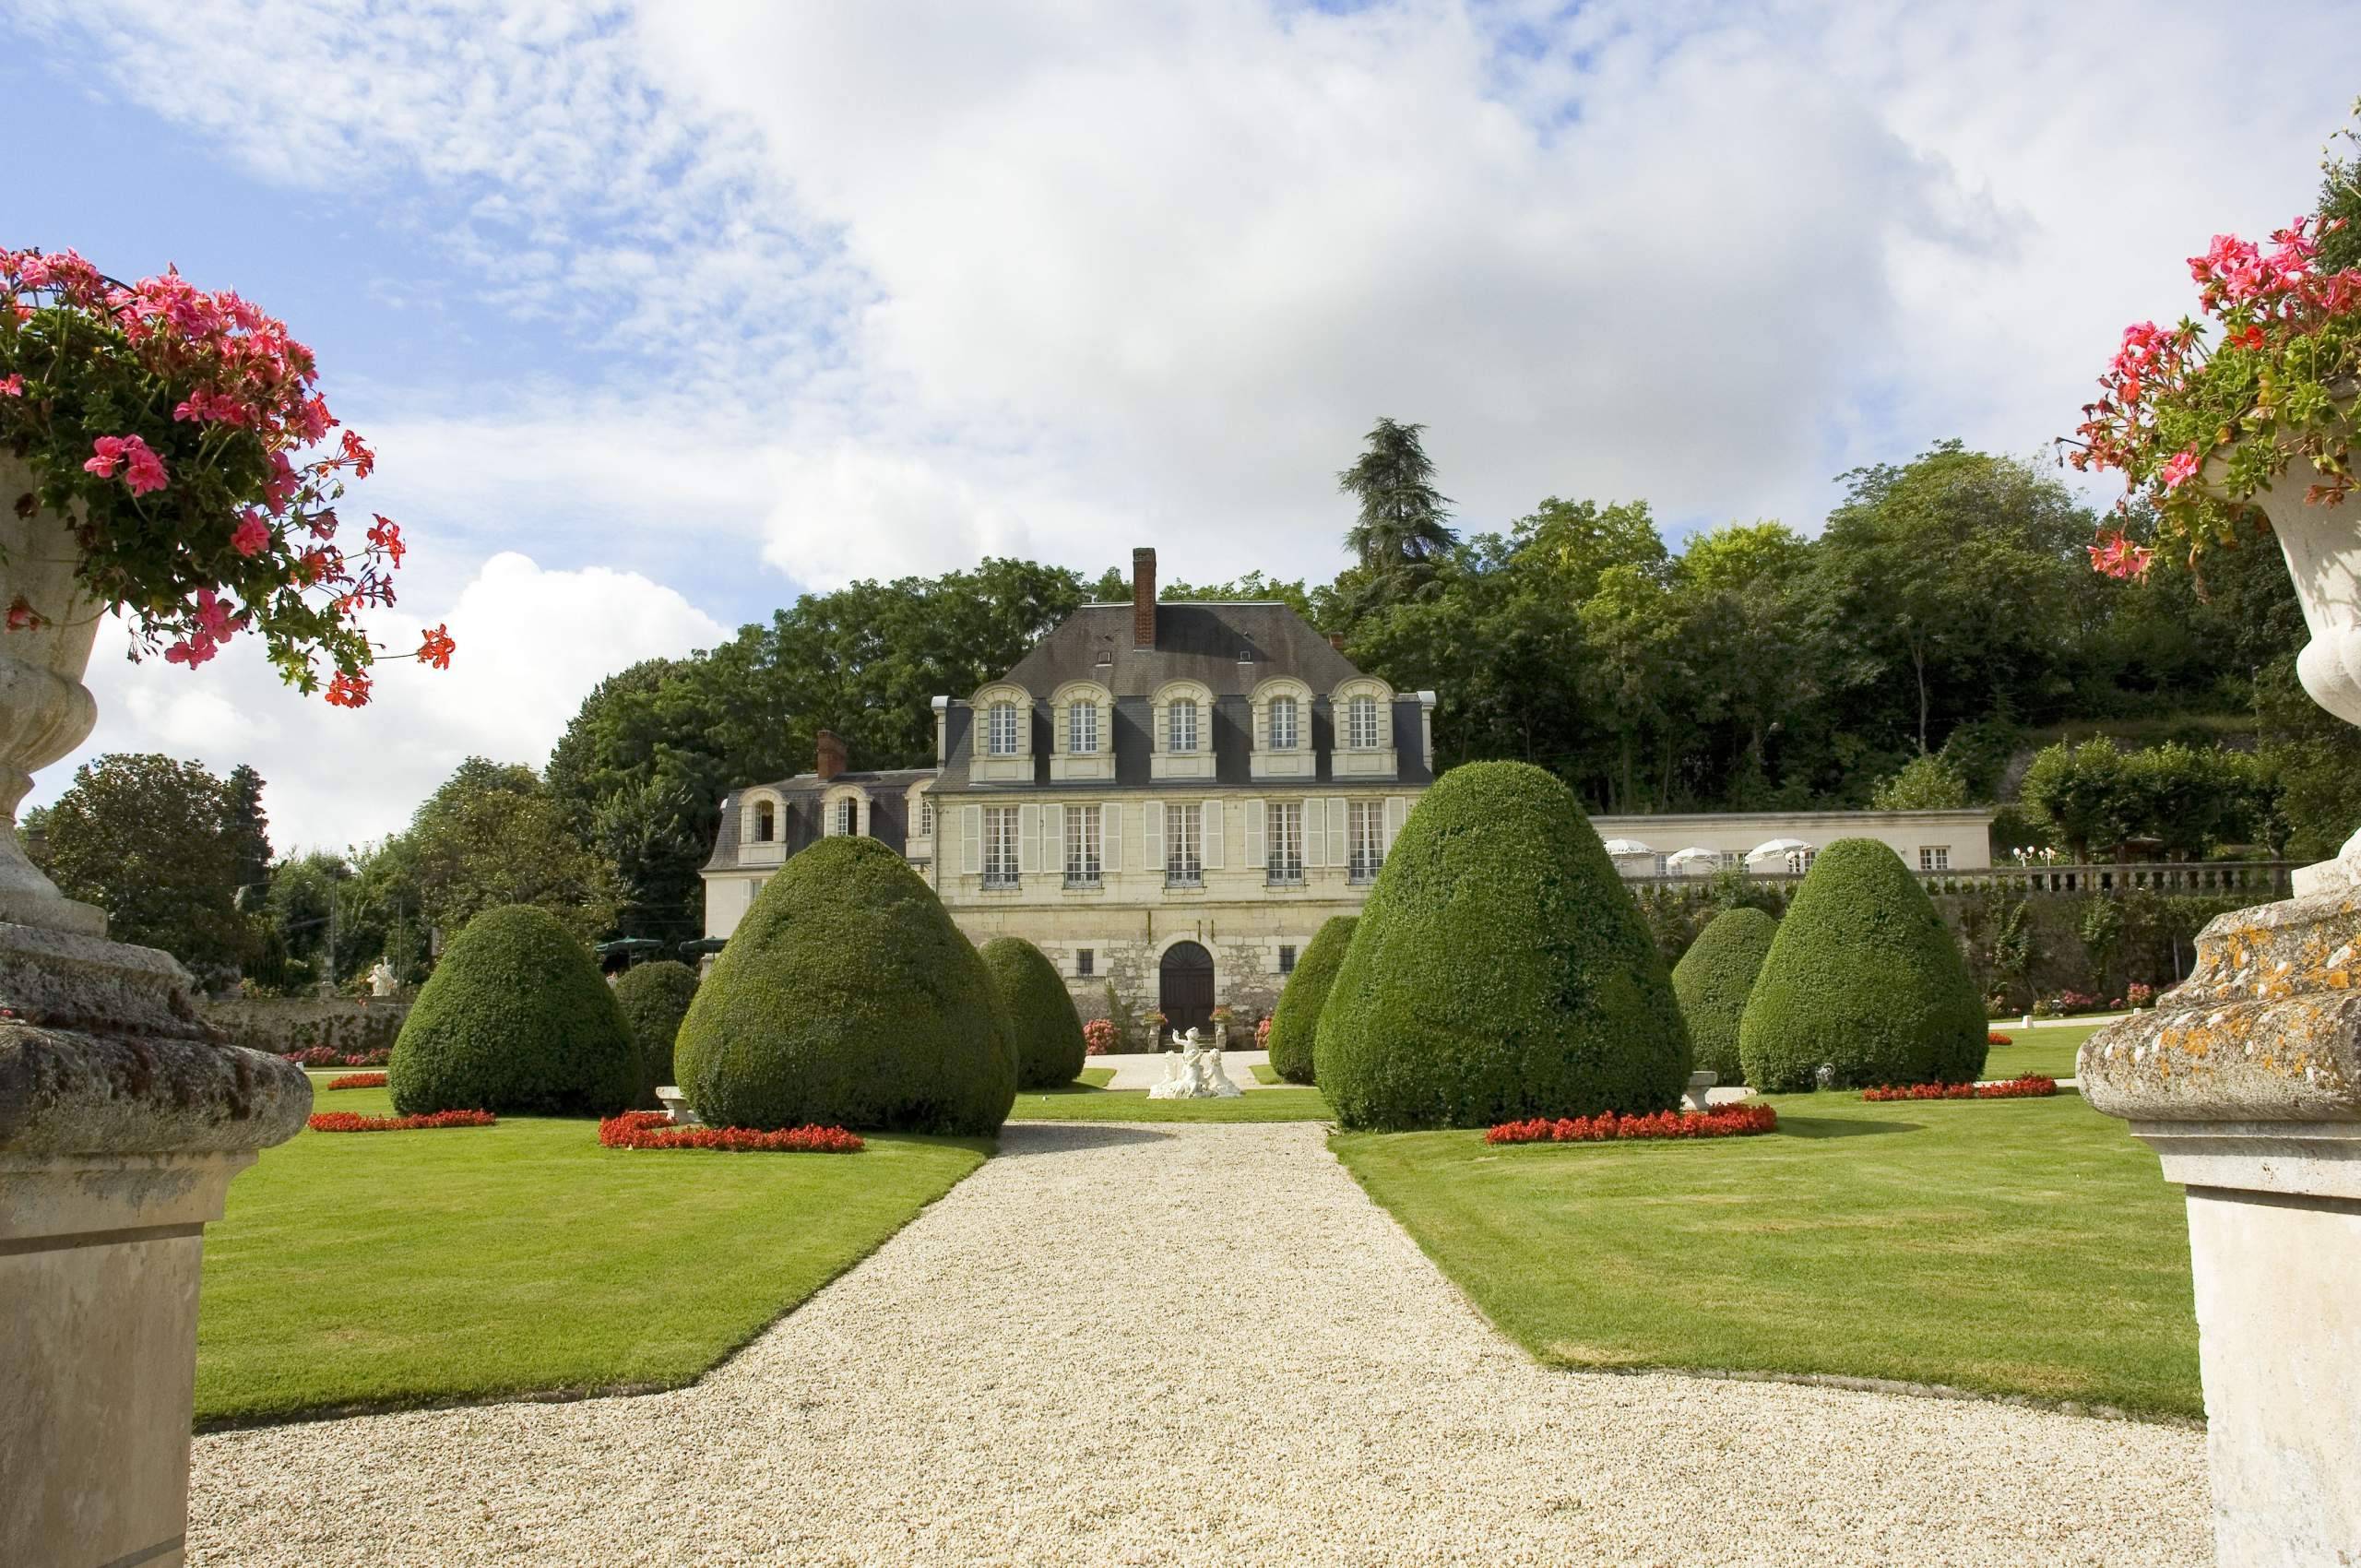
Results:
<point x="516" y="1018"/>
<point x="1043" y="1025"/>
<point x="1295" y="1023"/>
<point x="847" y="997"/>
<point x="1712" y="981"/>
<point x="1864" y="976"/>
<point x="655" y="998"/>
<point x="1499" y="970"/>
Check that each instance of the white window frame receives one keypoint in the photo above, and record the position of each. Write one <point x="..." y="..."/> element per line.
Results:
<point x="1180" y="738"/>
<point x="999" y="729"/>
<point x="1363" y="732"/>
<point x="1082" y="728"/>
<point x="1364" y="840"/>
<point x="1286" y="738"/>
<point x="1283" y="829"/>
<point x="1085" y="866"/>
<point x="926" y="816"/>
<point x="766" y="822"/>
<point x="1000" y="847"/>
<point x="1184" y="861"/>
<point x="1934" y="857"/>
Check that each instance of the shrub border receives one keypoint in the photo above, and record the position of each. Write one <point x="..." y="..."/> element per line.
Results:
<point x="1724" y="1122"/>
<point x="654" y="1129"/>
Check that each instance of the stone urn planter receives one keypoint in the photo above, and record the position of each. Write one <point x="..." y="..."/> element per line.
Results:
<point x="121" y="1125"/>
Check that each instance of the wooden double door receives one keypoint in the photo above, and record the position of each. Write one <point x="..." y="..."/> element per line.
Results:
<point x="1185" y="990"/>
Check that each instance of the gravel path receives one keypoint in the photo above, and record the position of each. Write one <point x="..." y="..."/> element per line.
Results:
<point x="1066" y="1361"/>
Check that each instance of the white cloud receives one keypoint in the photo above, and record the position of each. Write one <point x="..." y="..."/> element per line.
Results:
<point x="531" y="644"/>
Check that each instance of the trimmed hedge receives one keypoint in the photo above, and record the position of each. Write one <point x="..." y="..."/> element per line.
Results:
<point x="655" y="998"/>
<point x="1295" y="1023"/>
<point x="1712" y="981"/>
<point x="1865" y="976"/>
<point x="847" y="998"/>
<point x="516" y="1018"/>
<point x="1039" y="1012"/>
<point x="1500" y="972"/>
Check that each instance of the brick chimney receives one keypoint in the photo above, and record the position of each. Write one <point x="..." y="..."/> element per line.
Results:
<point x="1336" y="641"/>
<point x="833" y="759"/>
<point x="1142" y="598"/>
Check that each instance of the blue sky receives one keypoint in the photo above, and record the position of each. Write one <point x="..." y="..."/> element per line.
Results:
<point x="657" y="316"/>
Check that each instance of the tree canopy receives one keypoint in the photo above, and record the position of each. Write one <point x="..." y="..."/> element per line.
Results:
<point x="158" y="845"/>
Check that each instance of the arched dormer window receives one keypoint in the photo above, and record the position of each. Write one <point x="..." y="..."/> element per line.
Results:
<point x="844" y="813"/>
<point x="1286" y="726"/>
<point x="921" y="816"/>
<point x="1004" y="734"/>
<point x="1283" y="729"/>
<point x="1082" y="732"/>
<point x="999" y="729"/>
<point x="1181" y="728"/>
<point x="1183" y="734"/>
<point x="1364" y="742"/>
<point x="766" y="822"/>
<point x="762" y="829"/>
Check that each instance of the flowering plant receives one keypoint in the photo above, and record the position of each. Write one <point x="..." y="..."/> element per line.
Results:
<point x="359" y="1081"/>
<point x="654" y="1129"/>
<point x="328" y="1056"/>
<point x="1263" y="1033"/>
<point x="2033" y="1086"/>
<point x="187" y="426"/>
<point x="353" y="1122"/>
<point x="1098" y="1037"/>
<point x="2278" y="383"/>
<point x="1993" y="1037"/>
<point x="2140" y="993"/>
<point x="1722" y="1122"/>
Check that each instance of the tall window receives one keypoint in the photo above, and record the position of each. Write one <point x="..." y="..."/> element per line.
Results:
<point x="1365" y="839"/>
<point x="1002" y="740"/>
<point x="1000" y="846"/>
<point x="1181" y="725"/>
<point x="1081" y="729"/>
<point x="1284" y="821"/>
<point x="1283" y="724"/>
<point x="1287" y="958"/>
<point x="1360" y="724"/>
<point x="926" y="816"/>
<point x="1184" y="863"/>
<point x="848" y="818"/>
<point x="1085" y="961"/>
<point x="766" y="822"/>
<point x="1082" y="845"/>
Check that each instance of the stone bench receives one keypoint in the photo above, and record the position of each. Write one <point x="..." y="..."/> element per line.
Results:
<point x="1700" y="1086"/>
<point x="671" y="1098"/>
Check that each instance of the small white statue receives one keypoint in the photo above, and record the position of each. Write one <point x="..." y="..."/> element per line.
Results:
<point x="381" y="979"/>
<point x="1193" y="1072"/>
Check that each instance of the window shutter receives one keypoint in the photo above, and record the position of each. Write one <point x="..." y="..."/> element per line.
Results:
<point x="1340" y="852"/>
<point x="972" y="830"/>
<point x="1397" y="810"/>
<point x="1111" y="836"/>
<point x="1053" y="839"/>
<point x="1028" y="838"/>
<point x="1212" y="829"/>
<point x="1258" y="851"/>
<point x="1315" y="833"/>
<point x="1152" y="836"/>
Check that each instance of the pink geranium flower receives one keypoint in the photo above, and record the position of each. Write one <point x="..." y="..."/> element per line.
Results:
<point x="251" y="535"/>
<point x="145" y="471"/>
<point x="105" y="452"/>
<point x="2179" y="468"/>
<point x="12" y="386"/>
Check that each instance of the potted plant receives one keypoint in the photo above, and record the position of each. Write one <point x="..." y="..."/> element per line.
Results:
<point x="164" y="454"/>
<point x="1154" y="1022"/>
<point x="1222" y="1017"/>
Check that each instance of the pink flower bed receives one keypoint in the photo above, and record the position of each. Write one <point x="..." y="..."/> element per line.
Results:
<point x="2033" y="1086"/>
<point x="1099" y="1036"/>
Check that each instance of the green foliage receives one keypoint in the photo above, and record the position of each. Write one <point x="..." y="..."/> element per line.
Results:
<point x="1399" y="530"/>
<point x="1865" y="976"/>
<point x="1926" y="783"/>
<point x="1295" y="1023"/>
<point x="1713" y="981"/>
<point x="492" y="834"/>
<point x="2091" y="797"/>
<point x="516" y="1018"/>
<point x="847" y="997"/>
<point x="655" y="998"/>
<point x="1498" y="971"/>
<point x="158" y="845"/>
<point x="1045" y="1030"/>
<point x="1121" y="1016"/>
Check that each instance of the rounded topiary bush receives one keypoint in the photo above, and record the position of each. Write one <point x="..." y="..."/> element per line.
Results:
<point x="1044" y="1028"/>
<point x="655" y="998"/>
<point x="1863" y="976"/>
<point x="847" y="997"/>
<point x="1295" y="1023"/>
<point x="1499" y="970"/>
<point x="1712" y="981"/>
<point x="516" y="1018"/>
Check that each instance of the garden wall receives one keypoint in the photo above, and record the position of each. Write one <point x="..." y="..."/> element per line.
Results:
<point x="281" y="1024"/>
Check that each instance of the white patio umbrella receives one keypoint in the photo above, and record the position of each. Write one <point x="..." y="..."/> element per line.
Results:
<point x="1619" y="848"/>
<point x="1695" y="857"/>
<point x="1777" y="848"/>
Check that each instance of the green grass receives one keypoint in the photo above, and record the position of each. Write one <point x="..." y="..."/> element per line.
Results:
<point x="2049" y="1051"/>
<point x="2017" y="1246"/>
<point x="403" y="1268"/>
<point x="1076" y="1104"/>
<point x="1097" y="1077"/>
<point x="1266" y="1073"/>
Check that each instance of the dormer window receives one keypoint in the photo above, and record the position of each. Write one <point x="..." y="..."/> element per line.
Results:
<point x="1002" y="731"/>
<point x="1181" y="725"/>
<point x="848" y="818"/>
<point x="1361" y="723"/>
<point x="1283" y="724"/>
<point x="765" y="823"/>
<point x="1082" y="728"/>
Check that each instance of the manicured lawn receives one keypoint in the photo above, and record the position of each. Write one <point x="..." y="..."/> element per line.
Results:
<point x="2047" y="1051"/>
<point x="1266" y="1073"/>
<point x="2017" y="1246"/>
<point x="1081" y="1104"/>
<point x="391" y="1269"/>
<point x="1097" y="1077"/>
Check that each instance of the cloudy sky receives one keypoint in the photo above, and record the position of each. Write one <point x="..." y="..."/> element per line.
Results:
<point x="660" y="314"/>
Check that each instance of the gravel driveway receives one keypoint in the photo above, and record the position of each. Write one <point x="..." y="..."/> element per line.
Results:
<point x="1190" y="1345"/>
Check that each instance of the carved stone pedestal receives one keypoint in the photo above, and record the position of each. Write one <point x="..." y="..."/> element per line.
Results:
<point x="121" y="1125"/>
<point x="2246" y="1082"/>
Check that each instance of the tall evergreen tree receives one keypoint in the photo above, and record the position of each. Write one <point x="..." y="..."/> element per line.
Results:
<point x="249" y="829"/>
<point x="1400" y="529"/>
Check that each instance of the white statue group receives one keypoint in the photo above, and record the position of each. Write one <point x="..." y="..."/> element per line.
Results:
<point x="1195" y="1073"/>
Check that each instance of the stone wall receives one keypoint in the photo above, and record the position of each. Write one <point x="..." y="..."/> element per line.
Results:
<point x="281" y="1024"/>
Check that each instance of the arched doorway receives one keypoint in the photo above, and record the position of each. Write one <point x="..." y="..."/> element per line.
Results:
<point x="1185" y="988"/>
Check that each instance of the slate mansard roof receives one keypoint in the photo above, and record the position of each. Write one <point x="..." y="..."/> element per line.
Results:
<point x="801" y="797"/>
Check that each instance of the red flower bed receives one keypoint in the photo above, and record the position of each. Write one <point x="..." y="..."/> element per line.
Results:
<point x="2033" y="1086"/>
<point x="1996" y="1038"/>
<point x="359" y="1081"/>
<point x="352" y="1122"/>
<point x="654" y="1129"/>
<point x="1724" y="1122"/>
<point x="322" y="1056"/>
